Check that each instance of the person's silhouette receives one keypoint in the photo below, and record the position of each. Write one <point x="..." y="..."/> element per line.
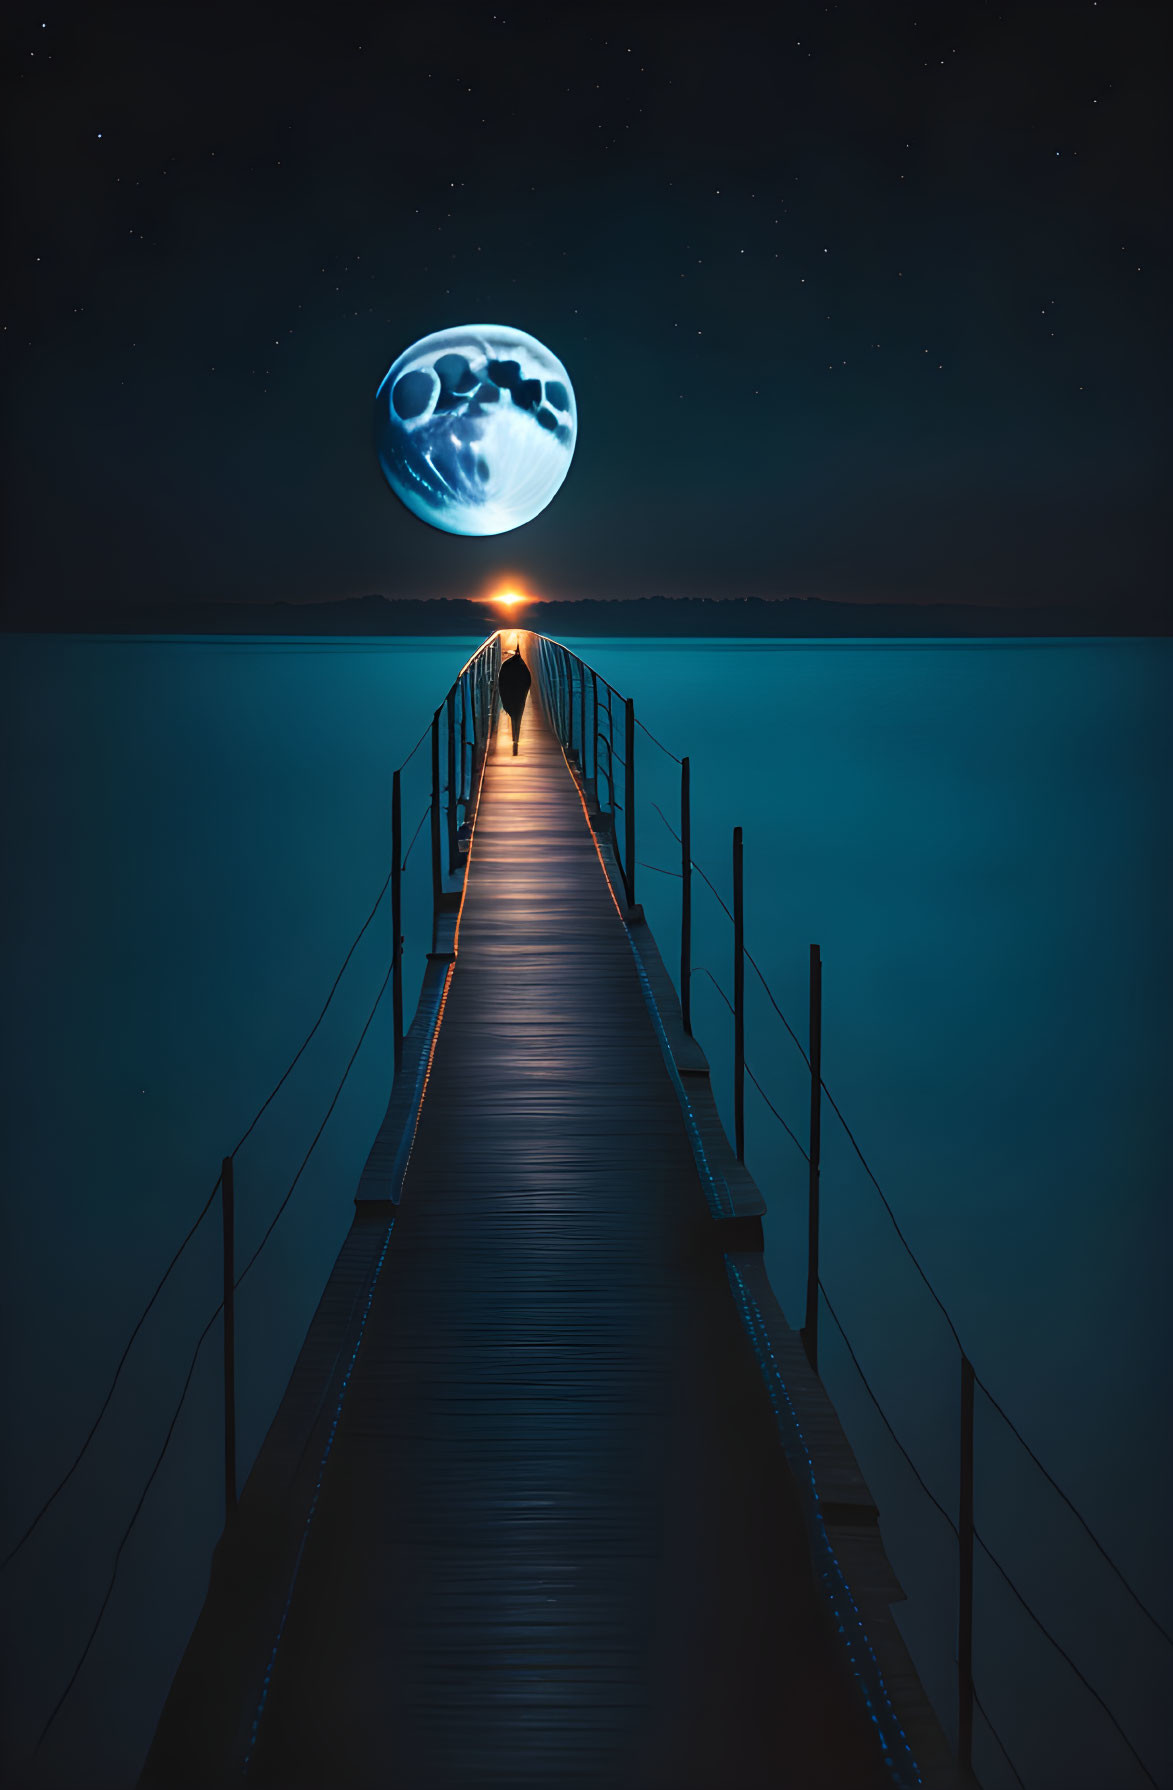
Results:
<point x="513" y="683"/>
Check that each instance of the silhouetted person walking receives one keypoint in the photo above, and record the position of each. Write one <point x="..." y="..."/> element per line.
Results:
<point x="513" y="682"/>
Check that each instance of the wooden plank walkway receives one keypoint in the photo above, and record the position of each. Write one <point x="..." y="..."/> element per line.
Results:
<point x="556" y="1541"/>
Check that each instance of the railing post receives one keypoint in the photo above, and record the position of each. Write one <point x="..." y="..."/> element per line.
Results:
<point x="595" y="731"/>
<point x="437" y="877"/>
<point x="629" y="802"/>
<point x="685" y="897"/>
<point x="738" y="1000"/>
<point x="397" y="915"/>
<point x="965" y="1575"/>
<point x="452" y="779"/>
<point x="582" y="751"/>
<point x="465" y="697"/>
<point x="228" y="1210"/>
<point x="611" y="764"/>
<point x="810" y="1328"/>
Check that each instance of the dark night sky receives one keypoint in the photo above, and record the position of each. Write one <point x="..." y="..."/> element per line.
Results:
<point x="863" y="302"/>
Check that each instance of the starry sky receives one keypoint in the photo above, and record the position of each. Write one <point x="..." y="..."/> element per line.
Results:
<point x="859" y="301"/>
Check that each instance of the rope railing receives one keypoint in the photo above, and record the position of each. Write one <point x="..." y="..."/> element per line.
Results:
<point x="47" y="1504"/>
<point x="986" y="1549"/>
<point x="584" y="724"/>
<point x="584" y="721"/>
<point x="418" y="830"/>
<point x="1118" y="1573"/>
<point x="700" y="970"/>
<point x="314" y="1141"/>
<point x="190" y="1234"/>
<point x="201" y="1339"/>
<point x="998" y="1741"/>
<point x="917" y="1264"/>
<point x="982" y="1385"/>
<point x="475" y="690"/>
<point x="655" y="742"/>
<point x="474" y="693"/>
<point x="568" y="674"/>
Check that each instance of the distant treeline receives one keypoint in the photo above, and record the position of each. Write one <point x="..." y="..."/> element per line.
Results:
<point x="788" y="618"/>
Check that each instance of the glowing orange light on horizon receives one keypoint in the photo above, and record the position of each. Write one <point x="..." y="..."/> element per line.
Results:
<point x="511" y="598"/>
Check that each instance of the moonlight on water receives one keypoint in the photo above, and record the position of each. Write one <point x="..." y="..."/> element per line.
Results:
<point x="475" y="428"/>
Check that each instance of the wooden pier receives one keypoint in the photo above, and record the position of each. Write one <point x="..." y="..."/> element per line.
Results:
<point x="532" y="1511"/>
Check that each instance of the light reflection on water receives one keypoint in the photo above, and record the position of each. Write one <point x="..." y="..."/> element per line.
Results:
<point x="977" y="837"/>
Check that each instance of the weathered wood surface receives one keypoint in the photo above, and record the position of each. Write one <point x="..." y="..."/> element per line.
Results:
<point x="556" y="1541"/>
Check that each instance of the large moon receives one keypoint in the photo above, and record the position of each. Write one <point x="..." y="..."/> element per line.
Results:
<point x="475" y="428"/>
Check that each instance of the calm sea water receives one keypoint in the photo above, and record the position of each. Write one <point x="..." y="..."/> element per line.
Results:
<point x="978" y="838"/>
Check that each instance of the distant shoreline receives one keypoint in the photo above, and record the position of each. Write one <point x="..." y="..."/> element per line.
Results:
<point x="645" y="618"/>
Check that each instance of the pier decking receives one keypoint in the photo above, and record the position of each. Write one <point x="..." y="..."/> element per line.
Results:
<point x="525" y="1518"/>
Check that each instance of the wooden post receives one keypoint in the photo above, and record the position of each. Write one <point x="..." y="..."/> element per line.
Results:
<point x="582" y="762"/>
<point x="468" y="741"/>
<point x="611" y="764"/>
<point x="738" y="1001"/>
<point x="466" y="690"/>
<point x="810" y="1328"/>
<point x="468" y="735"/>
<point x="965" y="1575"/>
<point x="228" y="1210"/>
<point x="595" y="732"/>
<point x="437" y="877"/>
<point x="451" y="812"/>
<point x="685" y="898"/>
<point x="629" y="803"/>
<point x="397" y="915"/>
